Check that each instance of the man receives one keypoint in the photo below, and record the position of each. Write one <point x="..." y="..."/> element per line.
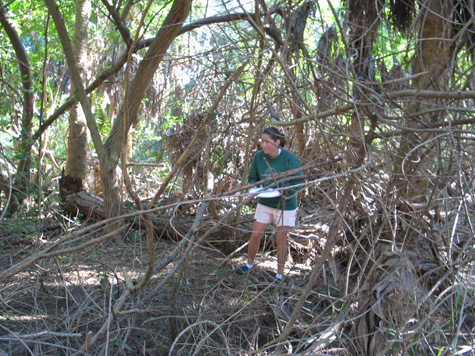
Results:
<point x="281" y="208"/>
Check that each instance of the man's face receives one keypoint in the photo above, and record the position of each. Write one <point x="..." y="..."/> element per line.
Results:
<point x="269" y="146"/>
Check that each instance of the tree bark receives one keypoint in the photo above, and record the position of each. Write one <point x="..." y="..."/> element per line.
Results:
<point x="364" y="19"/>
<point x="76" y="165"/>
<point x="76" y="77"/>
<point x="430" y="61"/>
<point x="410" y="183"/>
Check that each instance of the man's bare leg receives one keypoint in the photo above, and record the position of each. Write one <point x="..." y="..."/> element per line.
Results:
<point x="255" y="241"/>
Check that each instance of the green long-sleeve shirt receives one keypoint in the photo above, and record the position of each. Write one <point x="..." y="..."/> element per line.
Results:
<point x="260" y="170"/>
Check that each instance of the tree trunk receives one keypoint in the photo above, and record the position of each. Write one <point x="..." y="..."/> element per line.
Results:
<point x="127" y="115"/>
<point x="429" y="69"/>
<point x="109" y="153"/>
<point x="364" y="21"/>
<point x="24" y="148"/>
<point x="76" y="165"/>
<point x="389" y="299"/>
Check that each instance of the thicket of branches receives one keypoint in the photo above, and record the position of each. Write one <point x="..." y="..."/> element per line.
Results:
<point x="378" y="105"/>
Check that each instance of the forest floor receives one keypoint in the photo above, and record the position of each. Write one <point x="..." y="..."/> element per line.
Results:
<point x="72" y="302"/>
<point x="76" y="299"/>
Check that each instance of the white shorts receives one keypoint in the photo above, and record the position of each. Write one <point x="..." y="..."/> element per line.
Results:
<point x="265" y="214"/>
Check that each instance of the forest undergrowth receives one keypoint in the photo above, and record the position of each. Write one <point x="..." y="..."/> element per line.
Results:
<point x="79" y="302"/>
<point x="375" y="98"/>
<point x="55" y="306"/>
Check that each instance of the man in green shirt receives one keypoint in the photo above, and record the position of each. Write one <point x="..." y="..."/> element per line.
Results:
<point x="278" y="205"/>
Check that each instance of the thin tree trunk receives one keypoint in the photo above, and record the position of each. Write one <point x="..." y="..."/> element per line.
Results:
<point x="76" y="77"/>
<point x="432" y="54"/>
<point x="76" y="165"/>
<point x="23" y="173"/>
<point x="413" y="159"/>
<point x="364" y="19"/>
<point x="109" y="153"/>
<point x="128" y="114"/>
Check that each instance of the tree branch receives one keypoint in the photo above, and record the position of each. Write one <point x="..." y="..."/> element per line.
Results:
<point x="124" y="31"/>
<point x="411" y="93"/>
<point x="122" y="59"/>
<point x="75" y="76"/>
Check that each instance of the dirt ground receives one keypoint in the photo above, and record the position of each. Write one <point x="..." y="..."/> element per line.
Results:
<point x="77" y="303"/>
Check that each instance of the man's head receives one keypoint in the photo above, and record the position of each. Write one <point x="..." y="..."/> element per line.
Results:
<point x="275" y="136"/>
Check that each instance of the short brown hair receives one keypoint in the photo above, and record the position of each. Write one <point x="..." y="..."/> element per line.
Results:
<point x="275" y="135"/>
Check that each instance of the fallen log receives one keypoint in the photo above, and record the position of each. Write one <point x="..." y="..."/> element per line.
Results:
<point x="82" y="203"/>
<point x="172" y="227"/>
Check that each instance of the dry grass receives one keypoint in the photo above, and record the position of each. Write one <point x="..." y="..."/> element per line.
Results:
<point x="204" y="309"/>
<point x="368" y="299"/>
<point x="397" y="280"/>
